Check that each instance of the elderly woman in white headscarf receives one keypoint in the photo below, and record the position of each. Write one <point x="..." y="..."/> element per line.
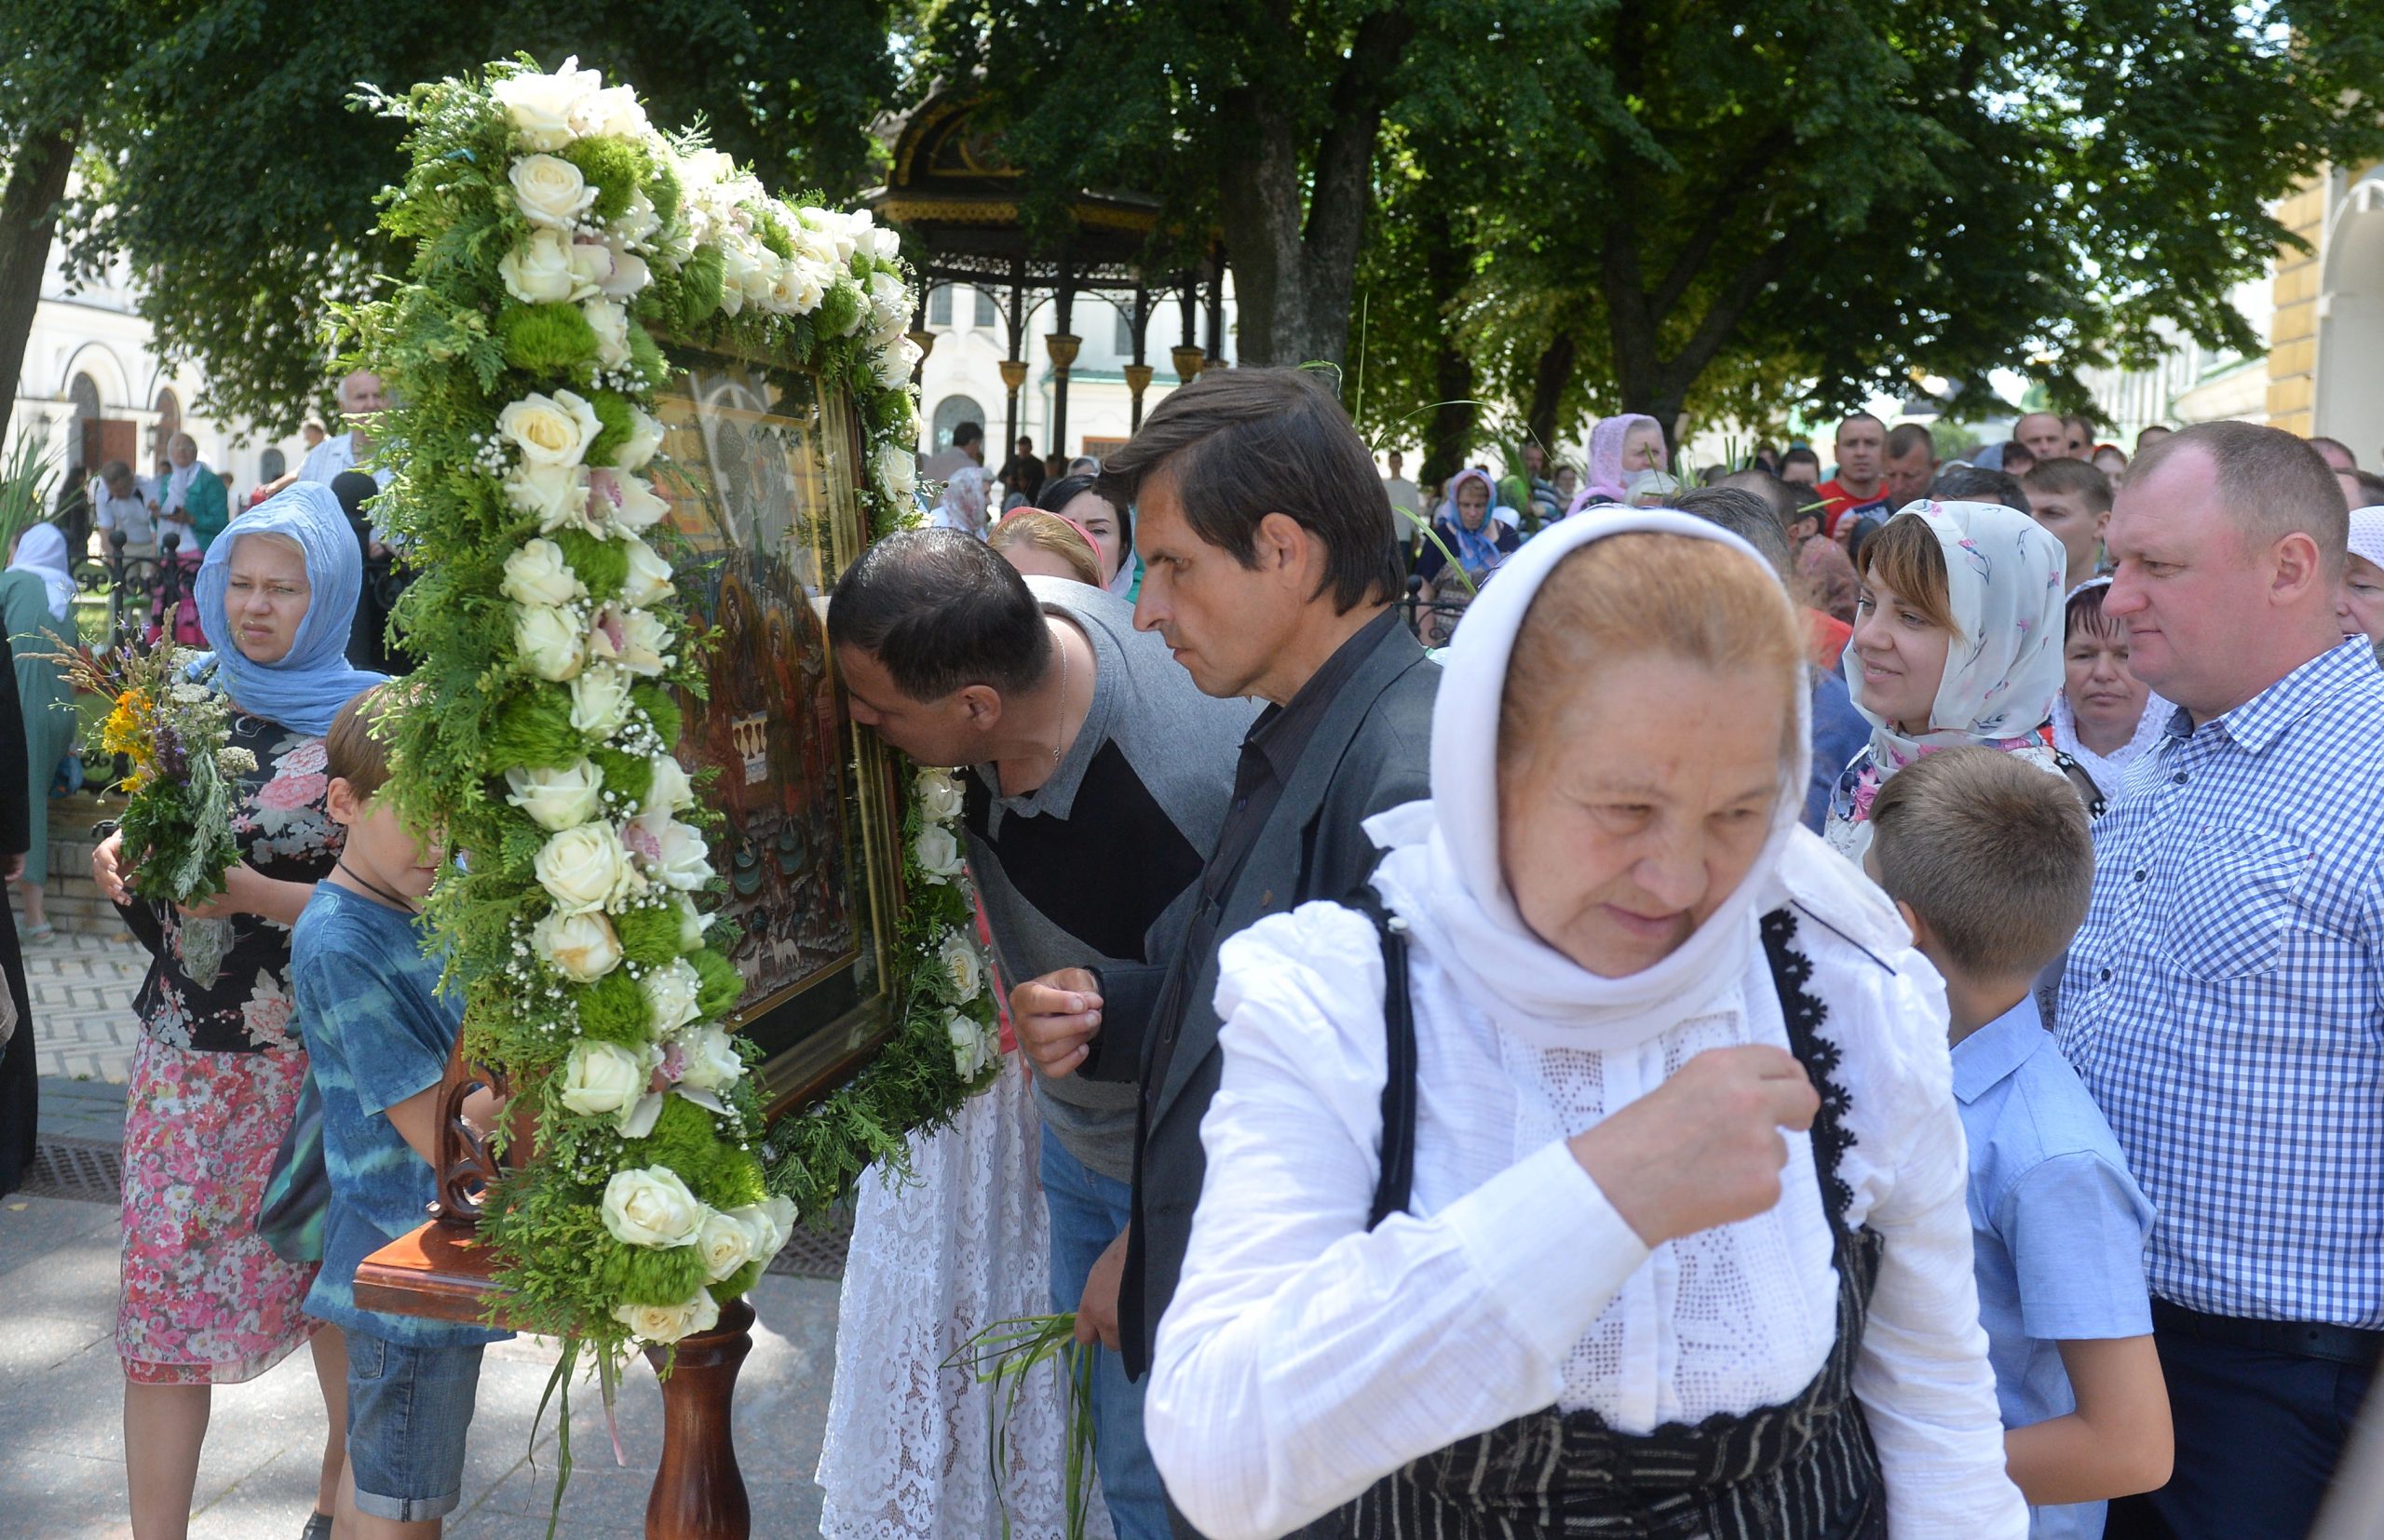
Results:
<point x="963" y="504"/>
<point x="1599" y="1169"/>
<point x="1958" y="641"/>
<point x="36" y="605"/>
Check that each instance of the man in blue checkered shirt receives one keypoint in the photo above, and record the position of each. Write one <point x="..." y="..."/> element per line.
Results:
<point x="2225" y="1002"/>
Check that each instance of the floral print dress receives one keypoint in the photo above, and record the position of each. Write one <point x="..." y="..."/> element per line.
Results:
<point x="215" y="1083"/>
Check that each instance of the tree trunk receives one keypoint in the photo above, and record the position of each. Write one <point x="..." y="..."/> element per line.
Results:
<point x="1295" y="260"/>
<point x="1548" y="382"/>
<point x="28" y="220"/>
<point x="1450" y="431"/>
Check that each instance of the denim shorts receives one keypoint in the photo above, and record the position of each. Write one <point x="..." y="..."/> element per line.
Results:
<point x="408" y="1410"/>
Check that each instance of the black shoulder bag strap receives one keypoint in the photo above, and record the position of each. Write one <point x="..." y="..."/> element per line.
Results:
<point x="1398" y="1180"/>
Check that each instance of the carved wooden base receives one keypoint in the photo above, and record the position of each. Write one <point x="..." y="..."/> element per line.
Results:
<point x="698" y="1492"/>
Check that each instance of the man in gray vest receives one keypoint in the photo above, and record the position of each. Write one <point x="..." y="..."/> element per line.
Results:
<point x="1100" y="783"/>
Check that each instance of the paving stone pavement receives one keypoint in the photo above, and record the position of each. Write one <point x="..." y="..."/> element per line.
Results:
<point x="61" y="1387"/>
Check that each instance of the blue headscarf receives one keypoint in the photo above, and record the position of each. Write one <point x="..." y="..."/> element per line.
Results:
<point x="1476" y="550"/>
<point x="313" y="680"/>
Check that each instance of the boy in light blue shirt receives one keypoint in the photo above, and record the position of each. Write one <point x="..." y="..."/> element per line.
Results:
<point x="1989" y="861"/>
<point x="378" y="1034"/>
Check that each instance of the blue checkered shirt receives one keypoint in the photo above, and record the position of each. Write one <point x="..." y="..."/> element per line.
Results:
<point x="2225" y="1001"/>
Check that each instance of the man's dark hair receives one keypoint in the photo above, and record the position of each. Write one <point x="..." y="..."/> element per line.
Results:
<point x="1784" y="497"/>
<point x="1745" y="515"/>
<point x="967" y="434"/>
<point x="941" y="609"/>
<point x="2015" y="449"/>
<point x="1861" y="417"/>
<point x="1978" y="484"/>
<point x="2273" y="483"/>
<point x="1241" y="443"/>
<point x="1904" y="438"/>
<point x="2371" y="488"/>
<point x="1798" y="452"/>
<point x="2322" y="441"/>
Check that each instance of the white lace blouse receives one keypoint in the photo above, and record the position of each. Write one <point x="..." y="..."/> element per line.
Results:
<point x="1304" y="1359"/>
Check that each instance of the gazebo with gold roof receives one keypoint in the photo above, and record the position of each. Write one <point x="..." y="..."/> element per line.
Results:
<point x="951" y="191"/>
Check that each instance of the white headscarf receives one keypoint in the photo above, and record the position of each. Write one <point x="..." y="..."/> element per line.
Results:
<point x="1444" y="875"/>
<point x="963" y="504"/>
<point x="43" y="553"/>
<point x="2003" y="575"/>
<point x="2106" y="770"/>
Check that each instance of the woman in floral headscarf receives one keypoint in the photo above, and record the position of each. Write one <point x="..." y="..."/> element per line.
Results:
<point x="963" y="505"/>
<point x="1958" y="640"/>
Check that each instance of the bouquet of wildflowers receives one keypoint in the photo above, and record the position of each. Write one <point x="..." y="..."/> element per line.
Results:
<point x="176" y="731"/>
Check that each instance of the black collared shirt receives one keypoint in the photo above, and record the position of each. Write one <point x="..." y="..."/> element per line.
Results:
<point x="1270" y="753"/>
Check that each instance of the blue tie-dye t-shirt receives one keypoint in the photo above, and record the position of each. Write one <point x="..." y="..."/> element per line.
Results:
<point x="377" y="1033"/>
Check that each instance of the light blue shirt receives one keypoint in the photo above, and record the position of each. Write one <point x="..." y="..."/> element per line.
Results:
<point x="2223" y="997"/>
<point x="2057" y="1227"/>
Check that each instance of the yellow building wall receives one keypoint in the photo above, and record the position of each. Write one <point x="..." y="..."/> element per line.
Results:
<point x="2293" y="337"/>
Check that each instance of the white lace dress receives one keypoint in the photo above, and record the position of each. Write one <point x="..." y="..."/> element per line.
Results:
<point x="933" y="1262"/>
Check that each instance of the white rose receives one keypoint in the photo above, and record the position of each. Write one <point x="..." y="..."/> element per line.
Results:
<point x="701" y="170"/>
<point x="651" y="1207"/>
<point x="581" y="946"/>
<point x="638" y="223"/>
<point x="557" y="800"/>
<point x="550" y="190"/>
<point x="798" y="288"/>
<point x="549" y="641"/>
<point x="664" y="1324"/>
<point x="898" y="470"/>
<point x="629" y="272"/>
<point x="584" y="868"/>
<point x="941" y="797"/>
<point x="645" y="438"/>
<point x="889" y="304"/>
<point x="969" y="1057"/>
<point x="551" y="430"/>
<point x="633" y="638"/>
<point x="611" y="324"/>
<point x="681" y="861"/>
<point x="538" y="575"/>
<point x="625" y="501"/>
<point x="604" y="1078"/>
<point x="710" y="1060"/>
<point x="884" y="244"/>
<point x="669" y="993"/>
<point x="600" y="701"/>
<point x="539" y="271"/>
<point x="726" y="1243"/>
<point x="693" y="922"/>
<point x="612" y="110"/>
<point x="938" y="852"/>
<point x="894" y="362"/>
<point x="772" y="1221"/>
<point x="958" y="955"/>
<point x="671" y="788"/>
<point x="649" y="580"/>
<point x="556" y="494"/>
<point x="591" y="268"/>
<point x="541" y="105"/>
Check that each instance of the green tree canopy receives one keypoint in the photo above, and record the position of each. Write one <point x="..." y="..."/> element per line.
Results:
<point x="226" y="161"/>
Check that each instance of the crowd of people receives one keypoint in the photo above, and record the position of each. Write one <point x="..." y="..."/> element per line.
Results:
<point x="1825" y="1005"/>
<point x="1799" y="1005"/>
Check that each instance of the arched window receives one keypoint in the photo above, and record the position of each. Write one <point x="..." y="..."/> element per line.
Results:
<point x="271" y="464"/>
<point x="940" y="305"/>
<point x="950" y="413"/>
<point x="82" y="444"/>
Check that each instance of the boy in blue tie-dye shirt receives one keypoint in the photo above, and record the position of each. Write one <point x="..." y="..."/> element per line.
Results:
<point x="378" y="1034"/>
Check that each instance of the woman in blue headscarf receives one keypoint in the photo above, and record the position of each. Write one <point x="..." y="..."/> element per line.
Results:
<point x="215" y="1079"/>
<point x="1473" y="529"/>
